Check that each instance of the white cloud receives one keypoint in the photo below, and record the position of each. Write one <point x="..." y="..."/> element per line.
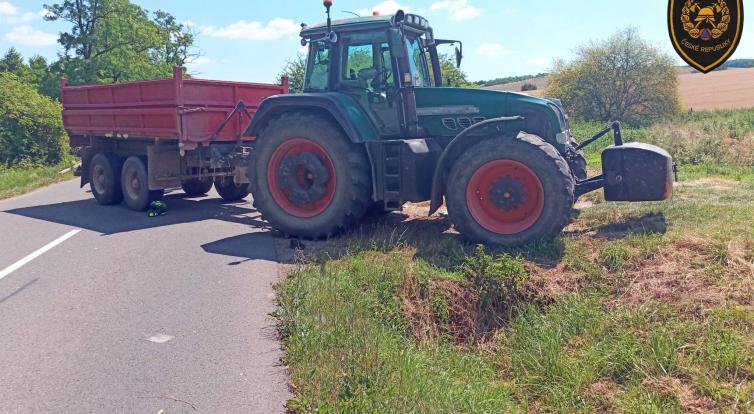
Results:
<point x="493" y="50"/>
<point x="540" y="61"/>
<point x="242" y="29"/>
<point x="10" y="14"/>
<point x="384" y="8"/>
<point x="7" y="9"/>
<point x="458" y="10"/>
<point x="26" y="35"/>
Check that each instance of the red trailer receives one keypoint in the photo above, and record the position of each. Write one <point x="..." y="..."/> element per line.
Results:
<point x="140" y="138"/>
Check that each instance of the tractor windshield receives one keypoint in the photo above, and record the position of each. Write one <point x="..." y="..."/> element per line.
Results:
<point x="418" y="63"/>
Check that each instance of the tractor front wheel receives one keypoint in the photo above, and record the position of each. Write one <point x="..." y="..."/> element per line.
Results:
<point x="307" y="179"/>
<point x="510" y="191"/>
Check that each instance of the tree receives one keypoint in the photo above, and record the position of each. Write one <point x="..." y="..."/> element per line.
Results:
<point x="452" y="75"/>
<point x="622" y="78"/>
<point x="31" y="128"/>
<point x="13" y="62"/>
<point x="176" y="40"/>
<point x="116" y="40"/>
<point x="295" y="69"/>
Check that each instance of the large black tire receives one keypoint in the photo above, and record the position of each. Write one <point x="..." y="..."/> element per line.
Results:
<point x="510" y="191"/>
<point x="104" y="179"/>
<point x="335" y="191"/>
<point x="197" y="187"/>
<point x="229" y="190"/>
<point x="135" y="184"/>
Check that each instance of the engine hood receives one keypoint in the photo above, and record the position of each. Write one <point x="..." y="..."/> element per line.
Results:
<point x="448" y="111"/>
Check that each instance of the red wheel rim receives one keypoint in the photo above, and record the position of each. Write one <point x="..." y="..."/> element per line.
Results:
<point x="301" y="178"/>
<point x="505" y="197"/>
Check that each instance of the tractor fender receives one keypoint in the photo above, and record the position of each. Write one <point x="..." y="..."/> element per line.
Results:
<point x="343" y="110"/>
<point x="507" y="126"/>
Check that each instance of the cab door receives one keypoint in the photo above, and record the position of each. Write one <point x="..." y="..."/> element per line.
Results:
<point x="367" y="73"/>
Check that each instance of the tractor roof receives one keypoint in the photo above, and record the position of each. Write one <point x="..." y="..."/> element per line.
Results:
<point x="351" y="24"/>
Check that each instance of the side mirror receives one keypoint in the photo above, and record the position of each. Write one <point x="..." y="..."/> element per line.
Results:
<point x="459" y="57"/>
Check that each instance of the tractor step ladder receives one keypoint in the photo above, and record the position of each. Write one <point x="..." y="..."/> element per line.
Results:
<point x="392" y="172"/>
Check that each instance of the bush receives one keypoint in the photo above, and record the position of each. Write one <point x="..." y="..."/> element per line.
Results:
<point x="31" y="126"/>
<point x="622" y="78"/>
<point x="528" y="87"/>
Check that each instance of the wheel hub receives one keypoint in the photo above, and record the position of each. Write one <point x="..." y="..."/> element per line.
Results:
<point x="98" y="178"/>
<point x="301" y="177"/>
<point x="505" y="196"/>
<point x="507" y="193"/>
<point x="304" y="177"/>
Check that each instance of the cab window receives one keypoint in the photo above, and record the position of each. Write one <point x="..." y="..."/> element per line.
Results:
<point x="317" y="71"/>
<point x="417" y="63"/>
<point x="369" y="65"/>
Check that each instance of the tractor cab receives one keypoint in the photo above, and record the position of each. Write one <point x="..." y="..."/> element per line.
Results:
<point x="379" y="61"/>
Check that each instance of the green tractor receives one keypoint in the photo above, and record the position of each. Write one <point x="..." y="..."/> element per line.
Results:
<point x="375" y="129"/>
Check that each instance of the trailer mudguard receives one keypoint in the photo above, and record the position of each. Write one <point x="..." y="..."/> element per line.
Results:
<point x="342" y="108"/>
<point x="489" y="128"/>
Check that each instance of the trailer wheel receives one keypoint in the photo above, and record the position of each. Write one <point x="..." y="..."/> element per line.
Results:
<point x="196" y="187"/>
<point x="510" y="191"/>
<point x="135" y="184"/>
<point x="229" y="190"/>
<point x="104" y="179"/>
<point x="308" y="180"/>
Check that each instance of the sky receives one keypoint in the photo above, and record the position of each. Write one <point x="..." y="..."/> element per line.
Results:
<point x="252" y="40"/>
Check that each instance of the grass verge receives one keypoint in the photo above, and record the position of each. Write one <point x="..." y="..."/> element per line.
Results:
<point x="636" y="308"/>
<point x="20" y="180"/>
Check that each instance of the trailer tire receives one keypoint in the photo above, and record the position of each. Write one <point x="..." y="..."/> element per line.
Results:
<point x="229" y="190"/>
<point x="196" y="186"/>
<point x="307" y="179"/>
<point x="510" y="191"/>
<point x="135" y="184"/>
<point x="104" y="178"/>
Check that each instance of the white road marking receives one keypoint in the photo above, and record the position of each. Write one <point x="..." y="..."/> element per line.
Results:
<point x="161" y="339"/>
<point x="19" y="264"/>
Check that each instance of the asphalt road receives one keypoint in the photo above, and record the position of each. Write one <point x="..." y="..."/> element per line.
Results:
<point x="123" y="313"/>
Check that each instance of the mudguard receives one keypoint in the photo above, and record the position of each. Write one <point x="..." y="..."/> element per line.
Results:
<point x="343" y="109"/>
<point x="491" y="127"/>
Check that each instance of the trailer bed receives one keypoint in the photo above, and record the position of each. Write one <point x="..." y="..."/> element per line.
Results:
<point x="187" y="110"/>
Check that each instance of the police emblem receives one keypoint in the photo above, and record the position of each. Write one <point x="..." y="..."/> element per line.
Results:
<point x="705" y="33"/>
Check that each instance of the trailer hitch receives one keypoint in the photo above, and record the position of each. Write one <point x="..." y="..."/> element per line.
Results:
<point x="240" y="108"/>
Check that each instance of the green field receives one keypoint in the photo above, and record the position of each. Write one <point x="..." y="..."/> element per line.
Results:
<point x="15" y="181"/>
<point x="636" y="308"/>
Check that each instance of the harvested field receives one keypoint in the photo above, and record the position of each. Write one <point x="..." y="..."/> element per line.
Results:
<point x="727" y="89"/>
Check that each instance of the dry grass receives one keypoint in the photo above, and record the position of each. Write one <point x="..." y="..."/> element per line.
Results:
<point x="687" y="274"/>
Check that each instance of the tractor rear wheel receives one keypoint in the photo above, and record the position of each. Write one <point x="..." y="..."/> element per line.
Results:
<point x="307" y="179"/>
<point x="196" y="186"/>
<point x="510" y="191"/>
